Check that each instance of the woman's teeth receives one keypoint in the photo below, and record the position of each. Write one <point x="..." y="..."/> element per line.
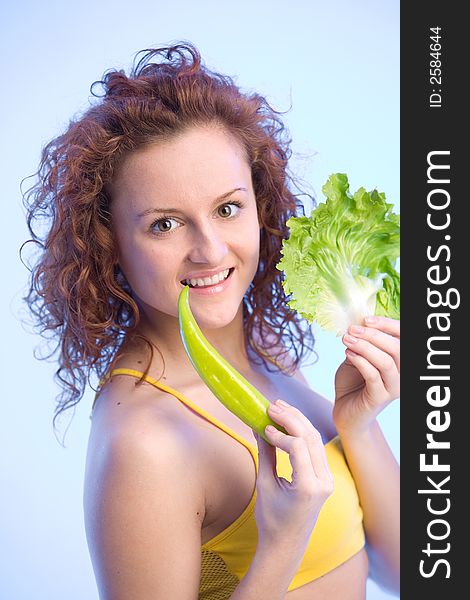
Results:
<point x="207" y="280"/>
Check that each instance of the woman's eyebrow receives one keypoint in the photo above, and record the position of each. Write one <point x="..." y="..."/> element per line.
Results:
<point x="178" y="210"/>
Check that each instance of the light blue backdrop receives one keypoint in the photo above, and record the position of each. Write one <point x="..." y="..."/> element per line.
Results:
<point x="336" y="61"/>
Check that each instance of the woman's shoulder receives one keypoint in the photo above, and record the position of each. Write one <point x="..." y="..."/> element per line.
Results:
<point x="125" y="398"/>
<point x="136" y="463"/>
<point x="128" y="412"/>
<point x="135" y="430"/>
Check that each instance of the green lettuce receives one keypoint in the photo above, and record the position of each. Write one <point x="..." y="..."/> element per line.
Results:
<point x="339" y="263"/>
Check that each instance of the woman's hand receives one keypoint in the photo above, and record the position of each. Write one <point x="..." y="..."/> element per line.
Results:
<point x="286" y="512"/>
<point x="369" y="379"/>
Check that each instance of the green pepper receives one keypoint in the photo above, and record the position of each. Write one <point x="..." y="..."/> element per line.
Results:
<point x="230" y="387"/>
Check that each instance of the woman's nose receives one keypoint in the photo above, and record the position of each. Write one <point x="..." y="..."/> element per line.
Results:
<point x="208" y="247"/>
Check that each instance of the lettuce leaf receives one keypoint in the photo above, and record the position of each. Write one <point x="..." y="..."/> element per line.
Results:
<point x="339" y="263"/>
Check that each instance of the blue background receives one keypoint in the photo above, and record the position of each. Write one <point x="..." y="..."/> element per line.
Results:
<point x="337" y="62"/>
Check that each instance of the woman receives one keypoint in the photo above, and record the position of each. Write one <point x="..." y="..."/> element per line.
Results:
<point x="177" y="178"/>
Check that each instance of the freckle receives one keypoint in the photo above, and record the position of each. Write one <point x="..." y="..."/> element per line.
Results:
<point x="118" y="403"/>
<point x="139" y="362"/>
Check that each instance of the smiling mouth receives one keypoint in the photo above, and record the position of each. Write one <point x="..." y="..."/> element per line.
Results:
<point x="199" y="282"/>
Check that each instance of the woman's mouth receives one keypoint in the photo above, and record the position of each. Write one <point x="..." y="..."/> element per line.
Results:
<point x="205" y="287"/>
<point x="209" y="282"/>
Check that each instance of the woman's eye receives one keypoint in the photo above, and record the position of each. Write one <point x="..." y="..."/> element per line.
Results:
<point x="163" y="225"/>
<point x="228" y="213"/>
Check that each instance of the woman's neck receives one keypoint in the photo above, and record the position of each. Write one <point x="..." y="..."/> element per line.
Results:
<point x="164" y="334"/>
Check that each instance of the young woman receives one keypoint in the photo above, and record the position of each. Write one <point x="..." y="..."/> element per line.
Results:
<point x="176" y="177"/>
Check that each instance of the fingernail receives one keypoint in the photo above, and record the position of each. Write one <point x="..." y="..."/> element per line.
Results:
<point x="371" y="319"/>
<point x="270" y="429"/>
<point x="357" y="329"/>
<point x="275" y="409"/>
<point x="281" y="402"/>
<point x="350" y="339"/>
<point x="350" y="352"/>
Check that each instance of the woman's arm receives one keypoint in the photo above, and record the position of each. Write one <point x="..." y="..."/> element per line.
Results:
<point x="143" y="508"/>
<point x="377" y="477"/>
<point x="365" y="383"/>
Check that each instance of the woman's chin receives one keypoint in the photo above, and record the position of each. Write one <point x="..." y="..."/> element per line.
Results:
<point x="217" y="317"/>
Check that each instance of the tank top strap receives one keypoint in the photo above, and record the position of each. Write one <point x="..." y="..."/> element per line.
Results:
<point x="206" y="415"/>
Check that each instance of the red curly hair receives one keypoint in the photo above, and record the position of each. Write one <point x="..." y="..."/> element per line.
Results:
<point x="76" y="292"/>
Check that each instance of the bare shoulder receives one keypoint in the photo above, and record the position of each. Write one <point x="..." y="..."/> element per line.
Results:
<point x="143" y="504"/>
<point x="137" y="422"/>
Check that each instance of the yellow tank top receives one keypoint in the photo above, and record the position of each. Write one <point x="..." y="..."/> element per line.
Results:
<point x="338" y="533"/>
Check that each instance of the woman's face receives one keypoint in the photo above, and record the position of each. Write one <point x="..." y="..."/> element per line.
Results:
<point x="185" y="209"/>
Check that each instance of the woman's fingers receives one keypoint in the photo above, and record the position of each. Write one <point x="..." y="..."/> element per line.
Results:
<point x="385" y="324"/>
<point x="376" y="354"/>
<point x="375" y="385"/>
<point x="383" y="341"/>
<point x="383" y="367"/>
<point x="303" y="474"/>
<point x="303" y="438"/>
<point x="267" y="459"/>
<point x="290" y="508"/>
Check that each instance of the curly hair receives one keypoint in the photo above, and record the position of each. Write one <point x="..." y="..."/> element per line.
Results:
<point x="76" y="293"/>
